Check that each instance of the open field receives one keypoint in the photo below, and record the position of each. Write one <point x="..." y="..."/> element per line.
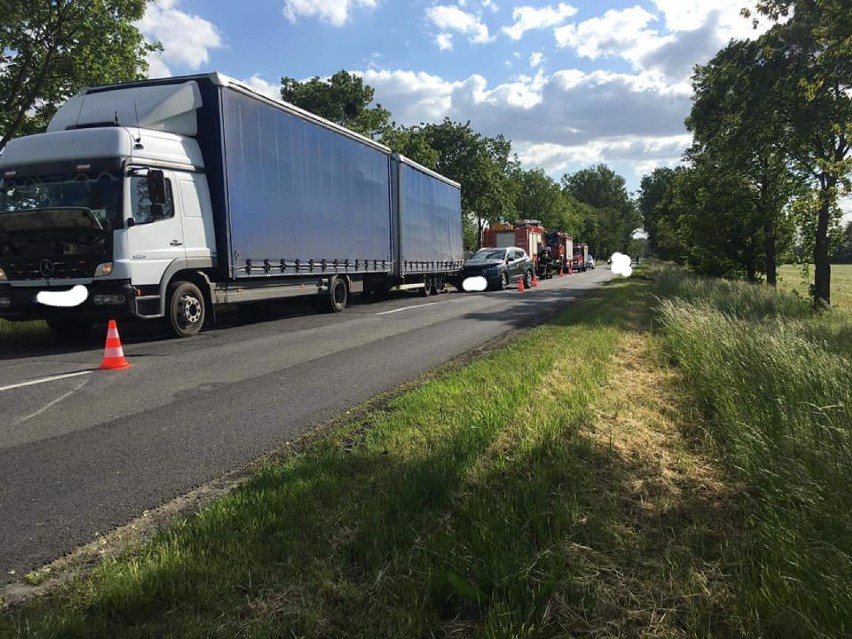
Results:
<point x="793" y="279"/>
<point x="575" y="481"/>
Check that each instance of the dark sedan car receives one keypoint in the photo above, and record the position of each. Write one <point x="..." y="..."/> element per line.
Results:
<point x="501" y="267"/>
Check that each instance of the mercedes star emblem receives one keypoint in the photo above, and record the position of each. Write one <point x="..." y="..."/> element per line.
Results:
<point x="47" y="268"/>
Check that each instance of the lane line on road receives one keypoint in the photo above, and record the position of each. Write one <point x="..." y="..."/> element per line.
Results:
<point x="32" y="382"/>
<point x="53" y="403"/>
<point x="396" y="310"/>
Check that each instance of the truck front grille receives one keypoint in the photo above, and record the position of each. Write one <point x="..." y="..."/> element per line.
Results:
<point x="66" y="267"/>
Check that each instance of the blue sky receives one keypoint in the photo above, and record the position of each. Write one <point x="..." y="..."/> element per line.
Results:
<point x="571" y="84"/>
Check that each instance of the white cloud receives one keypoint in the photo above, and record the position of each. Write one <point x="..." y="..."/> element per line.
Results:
<point x="689" y="16"/>
<point x="186" y="38"/>
<point x="260" y="85"/>
<point x="529" y="18"/>
<point x="641" y="155"/>
<point x="536" y="59"/>
<point x="157" y="67"/>
<point x="334" y="12"/>
<point x="624" y="33"/>
<point x="669" y="41"/>
<point x="454" y="19"/>
<point x="413" y="97"/>
<point x="568" y="108"/>
<point x="444" y="41"/>
<point x="560" y="122"/>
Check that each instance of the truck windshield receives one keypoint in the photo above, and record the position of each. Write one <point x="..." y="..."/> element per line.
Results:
<point x="101" y="193"/>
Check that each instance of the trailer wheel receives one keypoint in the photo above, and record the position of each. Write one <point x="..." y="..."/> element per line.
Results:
<point x="428" y="285"/>
<point x="336" y="297"/>
<point x="186" y="309"/>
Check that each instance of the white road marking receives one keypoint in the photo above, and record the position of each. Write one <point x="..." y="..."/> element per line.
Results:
<point x="396" y="310"/>
<point x="32" y="382"/>
<point x="55" y="401"/>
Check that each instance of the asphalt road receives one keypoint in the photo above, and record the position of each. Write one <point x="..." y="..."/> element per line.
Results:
<point x="83" y="451"/>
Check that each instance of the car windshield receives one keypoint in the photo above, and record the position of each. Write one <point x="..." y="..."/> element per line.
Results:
<point x="488" y="255"/>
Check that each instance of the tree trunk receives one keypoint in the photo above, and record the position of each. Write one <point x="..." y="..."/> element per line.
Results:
<point x="822" y="267"/>
<point x="750" y="261"/>
<point x="770" y="249"/>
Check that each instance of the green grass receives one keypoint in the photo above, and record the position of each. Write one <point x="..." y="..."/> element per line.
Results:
<point x="792" y="278"/>
<point x="18" y="330"/>
<point x="570" y="483"/>
<point x="774" y="386"/>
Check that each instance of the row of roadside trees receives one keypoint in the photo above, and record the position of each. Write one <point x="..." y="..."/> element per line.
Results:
<point x="50" y="50"/>
<point x="771" y="121"/>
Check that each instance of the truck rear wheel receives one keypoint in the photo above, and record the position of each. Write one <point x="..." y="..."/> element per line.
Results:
<point x="186" y="309"/>
<point x="336" y="297"/>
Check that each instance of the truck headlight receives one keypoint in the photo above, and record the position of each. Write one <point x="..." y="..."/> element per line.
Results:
<point x="108" y="299"/>
<point x="3" y="277"/>
<point x="103" y="269"/>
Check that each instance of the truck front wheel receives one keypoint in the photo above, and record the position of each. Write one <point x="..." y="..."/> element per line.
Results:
<point x="186" y="309"/>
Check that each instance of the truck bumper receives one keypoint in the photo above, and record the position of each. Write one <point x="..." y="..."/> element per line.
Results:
<point x="105" y="300"/>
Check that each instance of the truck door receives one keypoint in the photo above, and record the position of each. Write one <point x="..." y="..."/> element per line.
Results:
<point x="199" y="238"/>
<point x="153" y="242"/>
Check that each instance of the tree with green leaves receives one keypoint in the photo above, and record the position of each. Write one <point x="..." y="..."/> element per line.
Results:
<point x="411" y="142"/>
<point x="539" y="197"/>
<point x="735" y="120"/>
<point x="611" y="226"/>
<point x="811" y="42"/>
<point x="51" y="50"/>
<point x="716" y="221"/>
<point x="660" y="215"/>
<point x="343" y="98"/>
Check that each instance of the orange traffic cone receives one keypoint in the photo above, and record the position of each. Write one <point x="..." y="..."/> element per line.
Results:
<point x="561" y="272"/>
<point x="535" y="281"/>
<point x="113" y="353"/>
<point x="521" y="287"/>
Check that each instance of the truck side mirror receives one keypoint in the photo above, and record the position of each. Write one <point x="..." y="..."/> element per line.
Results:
<point x="156" y="187"/>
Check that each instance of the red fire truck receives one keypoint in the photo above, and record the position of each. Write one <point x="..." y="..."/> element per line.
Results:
<point x="525" y="234"/>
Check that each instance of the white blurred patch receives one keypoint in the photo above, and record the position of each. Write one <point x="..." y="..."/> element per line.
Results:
<point x="620" y="264"/>
<point x="475" y="284"/>
<point x="74" y="297"/>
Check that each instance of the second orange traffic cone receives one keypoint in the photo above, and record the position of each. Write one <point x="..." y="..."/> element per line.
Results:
<point x="113" y="353"/>
<point x="521" y="287"/>
<point x="535" y="281"/>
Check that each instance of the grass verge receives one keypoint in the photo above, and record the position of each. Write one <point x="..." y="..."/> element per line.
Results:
<point x="774" y="387"/>
<point x="558" y="486"/>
